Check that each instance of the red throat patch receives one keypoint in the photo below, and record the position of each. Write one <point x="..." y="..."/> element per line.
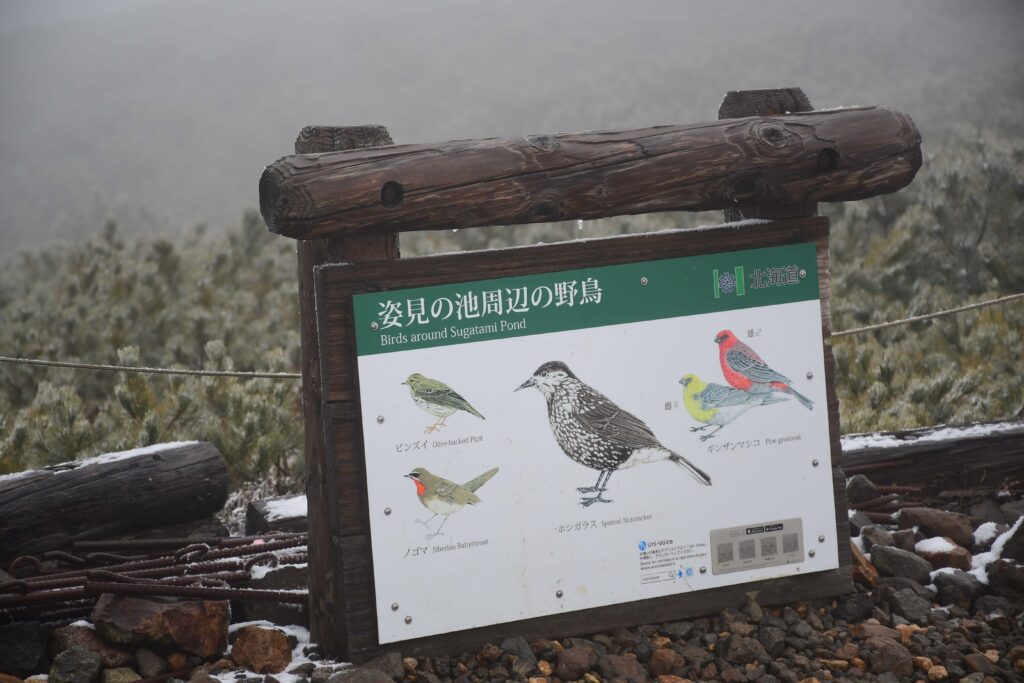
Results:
<point x="420" y="488"/>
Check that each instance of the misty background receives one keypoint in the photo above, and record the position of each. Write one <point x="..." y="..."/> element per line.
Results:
<point x="161" y="115"/>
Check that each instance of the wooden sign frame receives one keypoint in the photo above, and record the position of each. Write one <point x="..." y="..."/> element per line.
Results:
<point x="353" y="589"/>
<point x="346" y="204"/>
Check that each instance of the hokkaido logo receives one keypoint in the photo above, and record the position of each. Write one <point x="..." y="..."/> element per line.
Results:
<point x="728" y="282"/>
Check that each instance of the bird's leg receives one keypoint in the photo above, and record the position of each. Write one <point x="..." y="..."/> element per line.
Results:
<point x="697" y="429"/>
<point x="434" y="427"/>
<point x="438" y="532"/>
<point x="427" y="523"/>
<point x="705" y="437"/>
<point x="599" y="488"/>
<point x="596" y="487"/>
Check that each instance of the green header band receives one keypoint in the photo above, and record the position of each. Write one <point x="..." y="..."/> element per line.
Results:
<point x="482" y="310"/>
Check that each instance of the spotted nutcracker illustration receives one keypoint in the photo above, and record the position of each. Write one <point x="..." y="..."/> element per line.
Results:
<point x="444" y="497"/>
<point x="438" y="399"/>
<point x="745" y="370"/>
<point x="717" y="405"/>
<point x="596" y="433"/>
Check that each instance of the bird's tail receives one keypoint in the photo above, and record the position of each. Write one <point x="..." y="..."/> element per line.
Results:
<point x="695" y="472"/>
<point x="804" y="401"/>
<point x="473" y="411"/>
<point x="474" y="484"/>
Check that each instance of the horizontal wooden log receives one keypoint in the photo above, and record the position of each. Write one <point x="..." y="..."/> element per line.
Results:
<point x="287" y="513"/>
<point x="939" y="458"/>
<point x="160" y="485"/>
<point x="833" y="155"/>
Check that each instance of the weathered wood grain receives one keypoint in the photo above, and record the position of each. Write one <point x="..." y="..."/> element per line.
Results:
<point x="49" y="509"/>
<point x="335" y="285"/>
<point x="815" y="156"/>
<point x="937" y="458"/>
<point x="326" y="590"/>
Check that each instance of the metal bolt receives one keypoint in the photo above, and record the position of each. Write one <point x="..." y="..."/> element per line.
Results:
<point x="821" y="539"/>
<point x="815" y="462"/>
<point x="374" y="325"/>
<point x="810" y="375"/>
<point x="811" y="552"/>
<point x="803" y="273"/>
<point x="387" y="511"/>
<point x="644" y="280"/>
<point x="559" y="593"/>
<point x="380" y="419"/>
<point x="394" y="607"/>
<point x="408" y="620"/>
<point x="703" y="570"/>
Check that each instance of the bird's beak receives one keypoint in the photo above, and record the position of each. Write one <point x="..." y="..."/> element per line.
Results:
<point x="684" y="381"/>
<point x="527" y="383"/>
<point x="718" y="339"/>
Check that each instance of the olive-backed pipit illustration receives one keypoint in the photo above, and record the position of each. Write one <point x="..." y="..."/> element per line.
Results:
<point x="745" y="370"/>
<point x="444" y="497"/>
<point x="438" y="399"/>
<point x="717" y="405"/>
<point x="595" y="432"/>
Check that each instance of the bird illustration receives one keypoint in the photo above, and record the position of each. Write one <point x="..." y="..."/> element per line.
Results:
<point x="744" y="369"/>
<point x="595" y="432"/>
<point x="718" y="405"/>
<point x="438" y="399"/>
<point x="444" y="497"/>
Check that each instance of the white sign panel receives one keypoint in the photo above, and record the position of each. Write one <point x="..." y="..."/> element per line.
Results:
<point x="578" y="439"/>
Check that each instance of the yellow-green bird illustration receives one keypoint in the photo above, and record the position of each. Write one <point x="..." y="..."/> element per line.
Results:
<point x="444" y="497"/>
<point x="438" y="399"/>
<point x="718" y="405"/>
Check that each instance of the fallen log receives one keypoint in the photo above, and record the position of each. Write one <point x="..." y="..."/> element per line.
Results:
<point x="276" y="514"/>
<point x="936" y="459"/>
<point x="160" y="485"/>
<point x="835" y="155"/>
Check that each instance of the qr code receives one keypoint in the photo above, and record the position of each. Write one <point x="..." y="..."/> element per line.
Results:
<point x="769" y="546"/>
<point x="747" y="550"/>
<point x="790" y="543"/>
<point x="725" y="552"/>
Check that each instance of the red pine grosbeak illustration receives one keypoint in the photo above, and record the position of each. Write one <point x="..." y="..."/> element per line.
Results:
<point x="745" y="370"/>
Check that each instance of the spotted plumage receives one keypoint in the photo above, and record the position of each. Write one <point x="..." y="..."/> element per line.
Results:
<point x="595" y="432"/>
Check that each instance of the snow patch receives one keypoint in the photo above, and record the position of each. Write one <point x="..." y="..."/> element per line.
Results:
<point x="103" y="459"/>
<point x="260" y="570"/>
<point x="856" y="442"/>
<point x="940" y="570"/>
<point x="934" y="545"/>
<point x="985" y="533"/>
<point x="83" y="622"/>
<point x="859" y="542"/>
<point x="981" y="561"/>
<point x="286" y="508"/>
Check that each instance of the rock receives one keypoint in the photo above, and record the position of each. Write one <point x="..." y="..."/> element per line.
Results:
<point x="773" y="640"/>
<point x="910" y="606"/>
<point x="197" y="626"/>
<point x="618" y="667"/>
<point x="22" y="648"/>
<point x="1014" y="546"/>
<point x="83" y="636"/>
<point x="943" y="552"/>
<point x="389" y="663"/>
<point x="520" y="648"/>
<point x="360" y="675"/>
<point x="859" y="520"/>
<point x="743" y="650"/>
<point x="1006" y="579"/>
<point x="937" y="673"/>
<point x="489" y="653"/>
<point x="752" y="609"/>
<point x="896" y="562"/>
<point x="864" y="572"/>
<point x="885" y="654"/>
<point x="978" y="663"/>
<point x="150" y="664"/>
<point x="571" y="663"/>
<point x="860" y="489"/>
<point x="988" y="511"/>
<point x="875" y="535"/>
<point x="680" y="630"/>
<point x="5" y="678"/>
<point x="989" y="604"/>
<point x="904" y="539"/>
<point x="865" y="631"/>
<point x="75" y="665"/>
<point x="263" y="650"/>
<point x="1013" y="510"/>
<point x="664" y="661"/>
<point x="120" y="675"/>
<point x="855" y="607"/>
<point x="934" y="522"/>
<point x="958" y="588"/>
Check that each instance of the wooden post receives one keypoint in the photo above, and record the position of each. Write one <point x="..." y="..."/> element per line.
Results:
<point x="326" y="598"/>
<point x="776" y="102"/>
